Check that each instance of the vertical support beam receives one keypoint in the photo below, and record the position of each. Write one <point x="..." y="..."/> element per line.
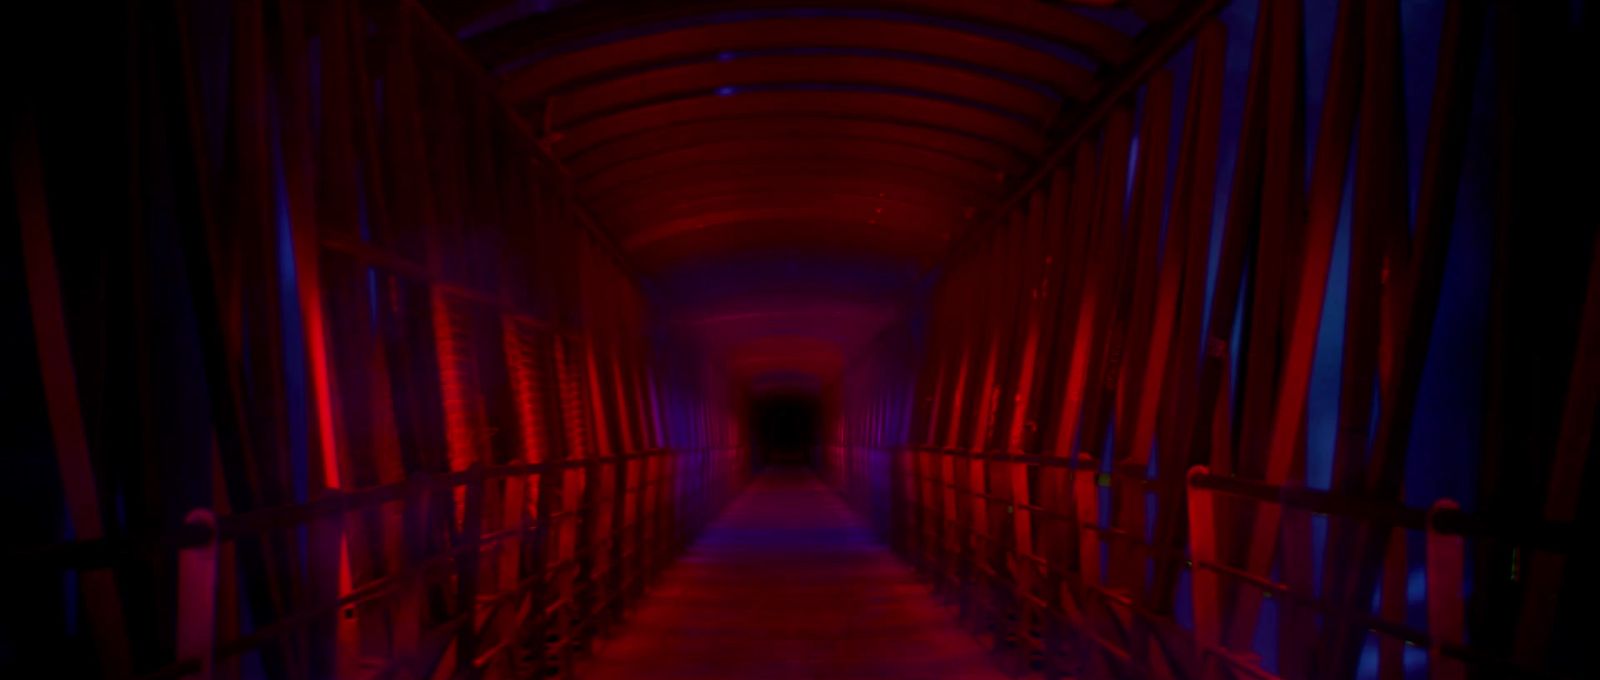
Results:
<point x="1104" y="207"/>
<point x="1416" y="293"/>
<point x="304" y="171"/>
<point x="54" y="346"/>
<point x="1574" y="446"/>
<point x="1033" y="284"/>
<point x="1191" y="212"/>
<point x="1141" y="352"/>
<point x="1276" y="399"/>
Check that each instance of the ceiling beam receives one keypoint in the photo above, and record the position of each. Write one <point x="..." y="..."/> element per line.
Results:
<point x="586" y="219"/>
<point x="561" y="71"/>
<point x="955" y="143"/>
<point x="545" y="31"/>
<point x="1156" y="47"/>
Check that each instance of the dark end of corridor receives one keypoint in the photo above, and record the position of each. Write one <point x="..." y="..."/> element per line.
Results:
<point x="786" y="428"/>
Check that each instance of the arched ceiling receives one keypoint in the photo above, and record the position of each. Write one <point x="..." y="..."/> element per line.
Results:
<point x="782" y="172"/>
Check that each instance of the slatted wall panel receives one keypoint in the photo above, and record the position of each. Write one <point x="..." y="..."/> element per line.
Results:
<point x="1241" y="383"/>
<point x="379" y="428"/>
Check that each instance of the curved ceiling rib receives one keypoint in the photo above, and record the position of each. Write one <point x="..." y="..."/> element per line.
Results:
<point x="870" y="212"/>
<point x="722" y="42"/>
<point x="1021" y="21"/>
<point x="804" y="238"/>
<point x="783" y="151"/>
<point x="800" y="128"/>
<point x="631" y="207"/>
<point x="870" y="207"/>
<point x="895" y="107"/>
<point x="889" y="176"/>
<point x="729" y="75"/>
<point x="882" y="179"/>
<point x="811" y="136"/>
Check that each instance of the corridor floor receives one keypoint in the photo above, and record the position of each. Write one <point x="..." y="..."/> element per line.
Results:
<point x="790" y="583"/>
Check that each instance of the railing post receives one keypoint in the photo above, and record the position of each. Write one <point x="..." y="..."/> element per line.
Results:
<point x="1086" y="497"/>
<point x="197" y="596"/>
<point x="1446" y="609"/>
<point x="467" y="573"/>
<point x="1206" y="586"/>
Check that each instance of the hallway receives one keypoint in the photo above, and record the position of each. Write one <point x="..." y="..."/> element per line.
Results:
<point x="789" y="584"/>
<point x="1107" y="339"/>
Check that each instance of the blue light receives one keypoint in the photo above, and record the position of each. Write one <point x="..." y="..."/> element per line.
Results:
<point x="727" y="91"/>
